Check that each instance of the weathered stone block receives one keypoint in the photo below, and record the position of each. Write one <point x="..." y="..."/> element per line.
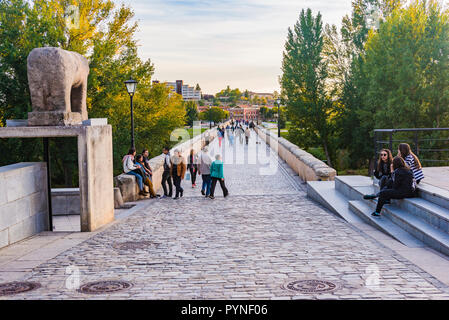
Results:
<point x="4" y="240"/>
<point x="24" y="229"/>
<point x="128" y="187"/>
<point x="38" y="203"/>
<point x="54" y="118"/>
<point x="58" y="87"/>
<point x="118" y="200"/>
<point x="13" y="212"/>
<point x="3" y="197"/>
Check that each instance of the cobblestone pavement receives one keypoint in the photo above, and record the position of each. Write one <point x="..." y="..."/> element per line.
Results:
<point x="246" y="246"/>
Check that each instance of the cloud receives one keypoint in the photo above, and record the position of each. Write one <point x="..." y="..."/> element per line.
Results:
<point x="216" y="43"/>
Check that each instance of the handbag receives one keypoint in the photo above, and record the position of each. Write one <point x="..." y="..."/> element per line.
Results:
<point x="188" y="176"/>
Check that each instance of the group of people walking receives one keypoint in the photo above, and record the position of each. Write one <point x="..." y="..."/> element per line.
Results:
<point x="232" y="131"/>
<point x="175" y="169"/>
<point x="398" y="176"/>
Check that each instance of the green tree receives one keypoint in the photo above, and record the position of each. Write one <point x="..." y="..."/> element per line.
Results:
<point x="407" y="68"/>
<point x="191" y="112"/>
<point x="345" y="54"/>
<point x="105" y="35"/>
<point x="214" y="114"/>
<point x="231" y="96"/>
<point x="311" y="110"/>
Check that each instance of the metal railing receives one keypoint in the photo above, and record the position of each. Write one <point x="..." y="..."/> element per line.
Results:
<point x="431" y="145"/>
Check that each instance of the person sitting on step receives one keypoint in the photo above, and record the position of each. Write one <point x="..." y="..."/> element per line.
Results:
<point x="411" y="160"/>
<point x="401" y="185"/>
<point x="383" y="168"/>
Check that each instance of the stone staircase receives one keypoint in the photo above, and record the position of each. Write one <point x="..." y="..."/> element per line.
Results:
<point x="415" y="222"/>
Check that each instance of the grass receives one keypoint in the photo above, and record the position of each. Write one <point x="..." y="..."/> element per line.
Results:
<point x="352" y="172"/>
<point x="190" y="131"/>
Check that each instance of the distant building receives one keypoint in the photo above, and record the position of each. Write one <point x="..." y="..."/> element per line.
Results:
<point x="208" y="97"/>
<point x="188" y="93"/>
<point x="268" y="96"/>
<point x="244" y="112"/>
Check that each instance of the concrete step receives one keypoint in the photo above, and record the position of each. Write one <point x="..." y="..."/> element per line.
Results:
<point x="419" y="228"/>
<point x="428" y="211"/>
<point x="363" y="209"/>
<point x="347" y="186"/>
<point x="434" y="194"/>
<point x="324" y="192"/>
<point x="429" y="208"/>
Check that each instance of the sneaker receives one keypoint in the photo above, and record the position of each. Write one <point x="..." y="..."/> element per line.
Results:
<point x="211" y="197"/>
<point x="175" y="198"/>
<point x="369" y="196"/>
<point x="203" y="193"/>
<point x="375" y="214"/>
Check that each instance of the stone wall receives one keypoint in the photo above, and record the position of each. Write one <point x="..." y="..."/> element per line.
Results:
<point x="127" y="183"/>
<point x="23" y="201"/>
<point x="65" y="201"/>
<point x="303" y="163"/>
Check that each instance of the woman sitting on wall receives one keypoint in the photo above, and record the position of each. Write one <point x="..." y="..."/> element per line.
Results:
<point x="147" y="178"/>
<point x="130" y="168"/>
<point x="401" y="185"/>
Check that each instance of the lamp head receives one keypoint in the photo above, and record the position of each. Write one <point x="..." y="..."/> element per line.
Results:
<point x="131" y="85"/>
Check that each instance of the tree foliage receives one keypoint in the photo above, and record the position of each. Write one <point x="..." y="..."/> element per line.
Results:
<point x="214" y="114"/>
<point x="105" y="35"/>
<point x="305" y="72"/>
<point x="191" y="112"/>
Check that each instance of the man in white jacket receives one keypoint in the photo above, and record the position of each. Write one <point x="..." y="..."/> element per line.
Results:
<point x="204" y="169"/>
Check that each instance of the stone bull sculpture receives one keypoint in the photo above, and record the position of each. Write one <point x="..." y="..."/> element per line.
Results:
<point x="58" y="87"/>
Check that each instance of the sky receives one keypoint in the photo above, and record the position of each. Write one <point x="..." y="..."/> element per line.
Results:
<point x="222" y="42"/>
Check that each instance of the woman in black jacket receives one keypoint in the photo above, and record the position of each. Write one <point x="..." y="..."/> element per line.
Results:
<point x="400" y="186"/>
<point x="383" y="169"/>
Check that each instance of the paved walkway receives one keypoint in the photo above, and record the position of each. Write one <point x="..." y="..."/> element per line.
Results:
<point x="266" y="234"/>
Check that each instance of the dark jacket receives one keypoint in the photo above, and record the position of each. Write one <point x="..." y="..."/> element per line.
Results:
<point x="384" y="170"/>
<point x="403" y="181"/>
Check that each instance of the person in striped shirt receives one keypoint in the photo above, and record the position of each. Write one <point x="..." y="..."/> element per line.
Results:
<point x="412" y="161"/>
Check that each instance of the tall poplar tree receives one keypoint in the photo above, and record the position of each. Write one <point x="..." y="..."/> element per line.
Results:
<point x="303" y="82"/>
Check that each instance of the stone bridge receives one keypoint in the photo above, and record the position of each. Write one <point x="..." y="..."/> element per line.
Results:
<point x="258" y="243"/>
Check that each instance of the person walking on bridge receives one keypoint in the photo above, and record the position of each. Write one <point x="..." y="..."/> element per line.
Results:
<point x="216" y="173"/>
<point x="166" y="178"/>
<point x="178" y="170"/>
<point x="192" y="166"/>
<point x="247" y="134"/>
<point x="204" y="169"/>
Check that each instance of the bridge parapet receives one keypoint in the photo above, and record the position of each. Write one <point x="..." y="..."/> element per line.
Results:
<point x="303" y="163"/>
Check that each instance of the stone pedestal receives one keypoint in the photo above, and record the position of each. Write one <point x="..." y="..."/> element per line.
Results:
<point x="95" y="166"/>
<point x="54" y="118"/>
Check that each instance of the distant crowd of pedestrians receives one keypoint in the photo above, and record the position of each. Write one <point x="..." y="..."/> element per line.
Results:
<point x="176" y="168"/>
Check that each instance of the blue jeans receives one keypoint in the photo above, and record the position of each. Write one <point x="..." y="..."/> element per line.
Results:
<point x="138" y="178"/>
<point x="207" y="181"/>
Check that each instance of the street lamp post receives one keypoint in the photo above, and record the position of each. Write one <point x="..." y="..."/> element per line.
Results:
<point x="210" y="119"/>
<point x="278" y="101"/>
<point x="131" y="85"/>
